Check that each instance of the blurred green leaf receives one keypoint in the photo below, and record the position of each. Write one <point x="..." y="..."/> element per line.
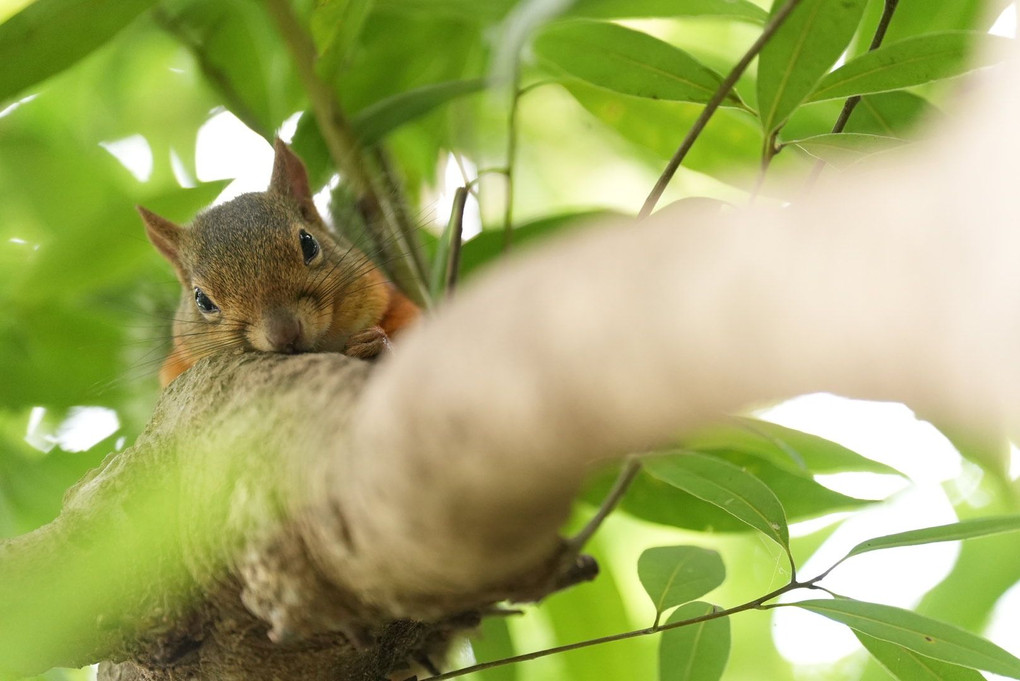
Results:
<point x="722" y="484"/>
<point x="632" y="9"/>
<point x="842" y="149"/>
<point x="908" y="665"/>
<point x="374" y="122"/>
<point x="912" y="61"/>
<point x="241" y="57"/>
<point x="786" y="447"/>
<point x="488" y="245"/>
<point x="335" y="25"/>
<point x="49" y="35"/>
<point x="892" y="114"/>
<point x="965" y="529"/>
<point x="487" y="12"/>
<point x="808" y="43"/>
<point x="928" y="637"/>
<point x="696" y="652"/>
<point x="631" y="62"/>
<point x="674" y="575"/>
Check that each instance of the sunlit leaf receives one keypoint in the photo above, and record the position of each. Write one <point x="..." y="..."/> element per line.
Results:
<point x="928" y="637"/>
<point x="696" y="652"/>
<point x="808" y="43"/>
<point x="912" y="61"/>
<point x="782" y="446"/>
<point x="724" y="485"/>
<point x="727" y="148"/>
<point x="673" y="575"/>
<point x="627" y="61"/>
<point x="908" y="665"/>
<point x="965" y="529"/>
<point x="930" y="16"/>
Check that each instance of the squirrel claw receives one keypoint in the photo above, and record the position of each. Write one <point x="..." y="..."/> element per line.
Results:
<point x="367" y="344"/>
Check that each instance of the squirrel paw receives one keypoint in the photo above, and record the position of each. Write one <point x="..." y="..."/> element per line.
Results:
<point x="367" y="344"/>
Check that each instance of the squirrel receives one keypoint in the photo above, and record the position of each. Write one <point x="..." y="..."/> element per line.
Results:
<point x="263" y="272"/>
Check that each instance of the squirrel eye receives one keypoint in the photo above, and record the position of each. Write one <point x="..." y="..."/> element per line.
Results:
<point x="309" y="246"/>
<point x="205" y="304"/>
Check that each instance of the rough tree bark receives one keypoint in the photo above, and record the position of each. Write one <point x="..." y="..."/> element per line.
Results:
<point x="319" y="518"/>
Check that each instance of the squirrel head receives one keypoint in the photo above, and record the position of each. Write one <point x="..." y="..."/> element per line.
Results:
<point x="263" y="272"/>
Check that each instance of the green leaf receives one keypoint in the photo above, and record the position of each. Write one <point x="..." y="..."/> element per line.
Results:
<point x="377" y="120"/>
<point x="488" y="12"/>
<point x="488" y="245"/>
<point x="627" y="61"/>
<point x="965" y="529"/>
<point x="673" y="575"/>
<point x="49" y="35"/>
<point x="893" y="114"/>
<point x="930" y="16"/>
<point x="786" y="447"/>
<point x="842" y="149"/>
<point x="635" y="9"/>
<point x="907" y="665"/>
<point x="740" y="494"/>
<point x="241" y="56"/>
<point x="695" y="652"/>
<point x="912" y="61"/>
<point x="656" y="501"/>
<point x="928" y="637"/>
<point x="727" y="147"/>
<point x="803" y="49"/>
<point x="335" y="25"/>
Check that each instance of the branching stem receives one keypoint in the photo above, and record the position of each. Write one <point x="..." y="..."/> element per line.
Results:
<point x="717" y="99"/>
<point x="851" y="103"/>
<point x="760" y="603"/>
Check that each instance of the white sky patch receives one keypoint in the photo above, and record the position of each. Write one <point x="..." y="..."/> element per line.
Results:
<point x="82" y="429"/>
<point x="228" y="149"/>
<point x="1005" y="624"/>
<point x="134" y="153"/>
<point x="453" y="176"/>
<point x="180" y="172"/>
<point x="1005" y="25"/>
<point x="289" y="127"/>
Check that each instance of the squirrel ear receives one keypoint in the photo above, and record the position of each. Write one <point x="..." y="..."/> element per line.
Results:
<point x="290" y="179"/>
<point x="164" y="235"/>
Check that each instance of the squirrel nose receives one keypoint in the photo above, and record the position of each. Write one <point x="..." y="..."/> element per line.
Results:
<point x="283" y="331"/>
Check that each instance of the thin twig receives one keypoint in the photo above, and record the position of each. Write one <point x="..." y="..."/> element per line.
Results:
<point x="851" y="103"/>
<point x="511" y="157"/>
<point x="717" y="99"/>
<point x="453" y="267"/>
<point x="750" y="605"/>
<point x="623" y="481"/>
